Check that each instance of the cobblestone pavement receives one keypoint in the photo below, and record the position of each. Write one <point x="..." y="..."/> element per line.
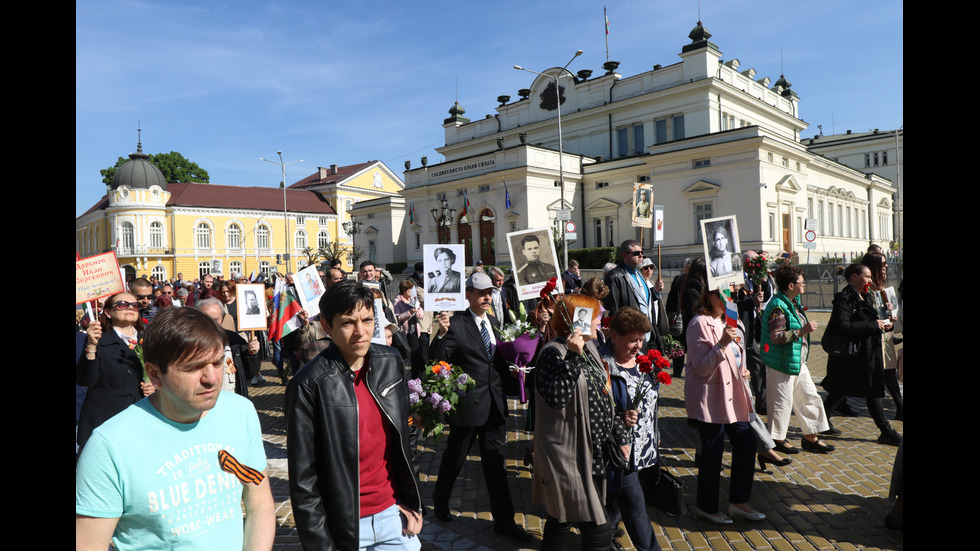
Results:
<point x="835" y="501"/>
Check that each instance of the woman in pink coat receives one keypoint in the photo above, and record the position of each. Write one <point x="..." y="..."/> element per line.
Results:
<point x="719" y="401"/>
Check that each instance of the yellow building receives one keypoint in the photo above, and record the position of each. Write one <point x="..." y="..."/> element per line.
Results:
<point x="164" y="229"/>
<point x="345" y="186"/>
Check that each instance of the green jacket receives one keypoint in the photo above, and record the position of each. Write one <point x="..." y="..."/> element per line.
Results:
<point x="784" y="357"/>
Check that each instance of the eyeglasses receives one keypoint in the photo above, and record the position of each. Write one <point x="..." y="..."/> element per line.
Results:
<point x="168" y="292"/>
<point x="126" y="305"/>
<point x="636" y="253"/>
<point x="144" y="297"/>
<point x="647" y="267"/>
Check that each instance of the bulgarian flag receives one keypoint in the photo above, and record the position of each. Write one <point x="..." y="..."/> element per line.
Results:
<point x="606" y="17"/>
<point x="466" y="203"/>
<point x="284" y="307"/>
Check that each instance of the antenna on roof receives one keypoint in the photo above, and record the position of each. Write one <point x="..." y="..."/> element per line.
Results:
<point x="699" y="12"/>
<point x="139" y="137"/>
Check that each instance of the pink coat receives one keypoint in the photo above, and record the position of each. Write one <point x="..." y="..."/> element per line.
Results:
<point x="714" y="388"/>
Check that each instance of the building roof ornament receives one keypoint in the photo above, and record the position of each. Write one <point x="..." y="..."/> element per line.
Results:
<point x="139" y="172"/>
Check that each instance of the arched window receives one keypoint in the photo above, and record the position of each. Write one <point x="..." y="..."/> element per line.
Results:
<point x="127" y="235"/>
<point x="203" y="233"/>
<point x="156" y="235"/>
<point x="159" y="272"/>
<point x="300" y="240"/>
<point x="234" y="236"/>
<point x="203" y="269"/>
<point x="262" y="237"/>
<point x="323" y="239"/>
<point x="235" y="268"/>
<point x="265" y="268"/>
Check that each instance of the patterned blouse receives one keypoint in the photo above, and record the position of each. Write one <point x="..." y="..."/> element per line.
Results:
<point x="556" y="381"/>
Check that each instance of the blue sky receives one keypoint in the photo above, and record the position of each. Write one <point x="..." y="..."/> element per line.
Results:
<point x="329" y="82"/>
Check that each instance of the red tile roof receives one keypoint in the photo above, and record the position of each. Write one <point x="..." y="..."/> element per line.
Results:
<point x="238" y="197"/>
<point x="343" y="172"/>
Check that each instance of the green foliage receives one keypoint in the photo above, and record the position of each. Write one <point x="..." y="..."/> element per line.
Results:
<point x="312" y="255"/>
<point x="594" y="258"/>
<point x="173" y="165"/>
<point x="832" y="259"/>
<point x="335" y="250"/>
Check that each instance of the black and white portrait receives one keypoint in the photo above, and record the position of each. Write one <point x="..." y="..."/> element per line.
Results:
<point x="721" y="251"/>
<point x="582" y="320"/>
<point x="534" y="259"/>
<point x="442" y="266"/>
<point x="250" y="299"/>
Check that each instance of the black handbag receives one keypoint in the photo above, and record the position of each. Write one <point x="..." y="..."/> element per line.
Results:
<point x="613" y="455"/>
<point x="662" y="490"/>
<point x="840" y="346"/>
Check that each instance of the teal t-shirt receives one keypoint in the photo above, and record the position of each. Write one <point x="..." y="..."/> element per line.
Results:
<point x="163" y="480"/>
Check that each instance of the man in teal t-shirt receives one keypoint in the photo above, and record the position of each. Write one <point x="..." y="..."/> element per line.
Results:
<point x="173" y="469"/>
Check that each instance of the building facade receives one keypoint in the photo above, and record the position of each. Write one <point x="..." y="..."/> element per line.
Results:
<point x="159" y="228"/>
<point x="713" y="137"/>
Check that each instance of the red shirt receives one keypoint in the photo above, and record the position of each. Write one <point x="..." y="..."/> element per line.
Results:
<point x="377" y="450"/>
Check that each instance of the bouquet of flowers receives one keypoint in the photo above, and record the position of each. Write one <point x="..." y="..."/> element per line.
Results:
<point x="653" y="362"/>
<point x="518" y="341"/>
<point x="434" y="398"/>
<point x="758" y="267"/>
<point x="673" y="347"/>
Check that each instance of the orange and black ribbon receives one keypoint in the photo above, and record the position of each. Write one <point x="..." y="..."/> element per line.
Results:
<point x="243" y="473"/>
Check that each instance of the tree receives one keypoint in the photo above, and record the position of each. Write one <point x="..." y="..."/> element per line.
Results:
<point x="173" y="165"/>
<point x="335" y="250"/>
<point x="312" y="255"/>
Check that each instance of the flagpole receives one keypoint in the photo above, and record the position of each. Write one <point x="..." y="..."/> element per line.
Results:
<point x="605" y="18"/>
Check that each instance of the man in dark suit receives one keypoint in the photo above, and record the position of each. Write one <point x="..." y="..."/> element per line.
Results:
<point x="469" y="340"/>
<point x="627" y="287"/>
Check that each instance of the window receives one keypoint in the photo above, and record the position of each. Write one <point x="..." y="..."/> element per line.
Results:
<point x="876" y="158"/>
<point x="348" y="204"/>
<point x="203" y="233"/>
<point x="609" y="238"/>
<point x="660" y="130"/>
<point x="769" y="157"/>
<point x="262" y="237"/>
<point x="300" y="240"/>
<point x="600" y="185"/>
<point x="373" y="251"/>
<point x="300" y="220"/>
<point x="643" y="178"/>
<point x="785" y="162"/>
<point x="234" y="236"/>
<point x="679" y="127"/>
<point x="849" y="234"/>
<point x="440" y="196"/>
<point x="322" y="239"/>
<point x="830" y="220"/>
<point x="370" y="215"/>
<point x="798" y="166"/>
<point x="265" y="268"/>
<point x="639" y="145"/>
<point x="622" y="139"/>
<point x="460" y="192"/>
<point x="418" y="241"/>
<point x="203" y="269"/>
<point x="867" y="160"/>
<point x="484" y="188"/>
<point x="159" y="272"/>
<point x="127" y="234"/>
<point x="840" y="220"/>
<point x="809" y="207"/>
<point x="820" y="217"/>
<point x="702" y="211"/>
<point x="235" y="268"/>
<point x="772" y="226"/>
<point x="156" y="235"/>
<point x="702" y="163"/>
<point x="323" y="221"/>
<point x="598" y="232"/>
<point x="884" y="158"/>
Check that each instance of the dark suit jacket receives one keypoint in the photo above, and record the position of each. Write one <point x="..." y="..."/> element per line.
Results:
<point x="463" y="346"/>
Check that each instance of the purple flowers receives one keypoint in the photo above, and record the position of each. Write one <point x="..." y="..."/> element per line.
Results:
<point x="462" y="379"/>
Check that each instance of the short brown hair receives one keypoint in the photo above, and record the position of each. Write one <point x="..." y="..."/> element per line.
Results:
<point x="405" y="285"/>
<point x="786" y="274"/>
<point x="629" y="320"/>
<point x="595" y="288"/>
<point x="180" y="333"/>
<point x="562" y="317"/>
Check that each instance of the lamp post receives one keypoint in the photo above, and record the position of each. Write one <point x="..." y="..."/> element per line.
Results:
<point x="561" y="150"/>
<point x="442" y="215"/>
<point x="285" y="215"/>
<point x="352" y="227"/>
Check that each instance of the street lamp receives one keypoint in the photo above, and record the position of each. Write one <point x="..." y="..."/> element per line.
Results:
<point x="282" y="184"/>
<point x="352" y="227"/>
<point x="442" y="215"/>
<point x="561" y="150"/>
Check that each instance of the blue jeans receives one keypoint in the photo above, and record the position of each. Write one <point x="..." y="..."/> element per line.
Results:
<point x="627" y="503"/>
<point x="383" y="532"/>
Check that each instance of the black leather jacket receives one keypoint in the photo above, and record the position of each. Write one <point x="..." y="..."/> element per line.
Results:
<point x="323" y="445"/>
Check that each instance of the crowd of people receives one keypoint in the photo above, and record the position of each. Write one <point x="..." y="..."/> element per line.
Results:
<point x="157" y="359"/>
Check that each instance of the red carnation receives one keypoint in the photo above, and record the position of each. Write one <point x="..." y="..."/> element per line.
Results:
<point x="145" y="321"/>
<point x="644" y="364"/>
<point x="662" y="363"/>
<point x="765" y="347"/>
<point x="549" y="287"/>
<point x="655" y="353"/>
<point x="664" y="377"/>
<point x="606" y="320"/>
<point x="867" y="287"/>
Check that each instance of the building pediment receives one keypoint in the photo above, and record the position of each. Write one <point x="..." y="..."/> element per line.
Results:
<point x="371" y="230"/>
<point x="885" y="203"/>
<point x="557" y="205"/>
<point x="702" y="187"/>
<point x="788" y="183"/>
<point x="602" y="203"/>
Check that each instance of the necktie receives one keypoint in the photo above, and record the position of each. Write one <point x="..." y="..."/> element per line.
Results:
<point x="486" y="336"/>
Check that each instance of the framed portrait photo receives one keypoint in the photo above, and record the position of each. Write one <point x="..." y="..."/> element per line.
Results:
<point x="535" y="261"/>
<point x="642" y="205"/>
<point x="310" y="288"/>
<point x="445" y="281"/>
<point x="722" y="252"/>
<point x="252" y="315"/>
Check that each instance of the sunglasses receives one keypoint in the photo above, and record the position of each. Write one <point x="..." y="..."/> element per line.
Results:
<point x="126" y="305"/>
<point x="637" y="253"/>
<point x="143" y="297"/>
<point x="648" y="267"/>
